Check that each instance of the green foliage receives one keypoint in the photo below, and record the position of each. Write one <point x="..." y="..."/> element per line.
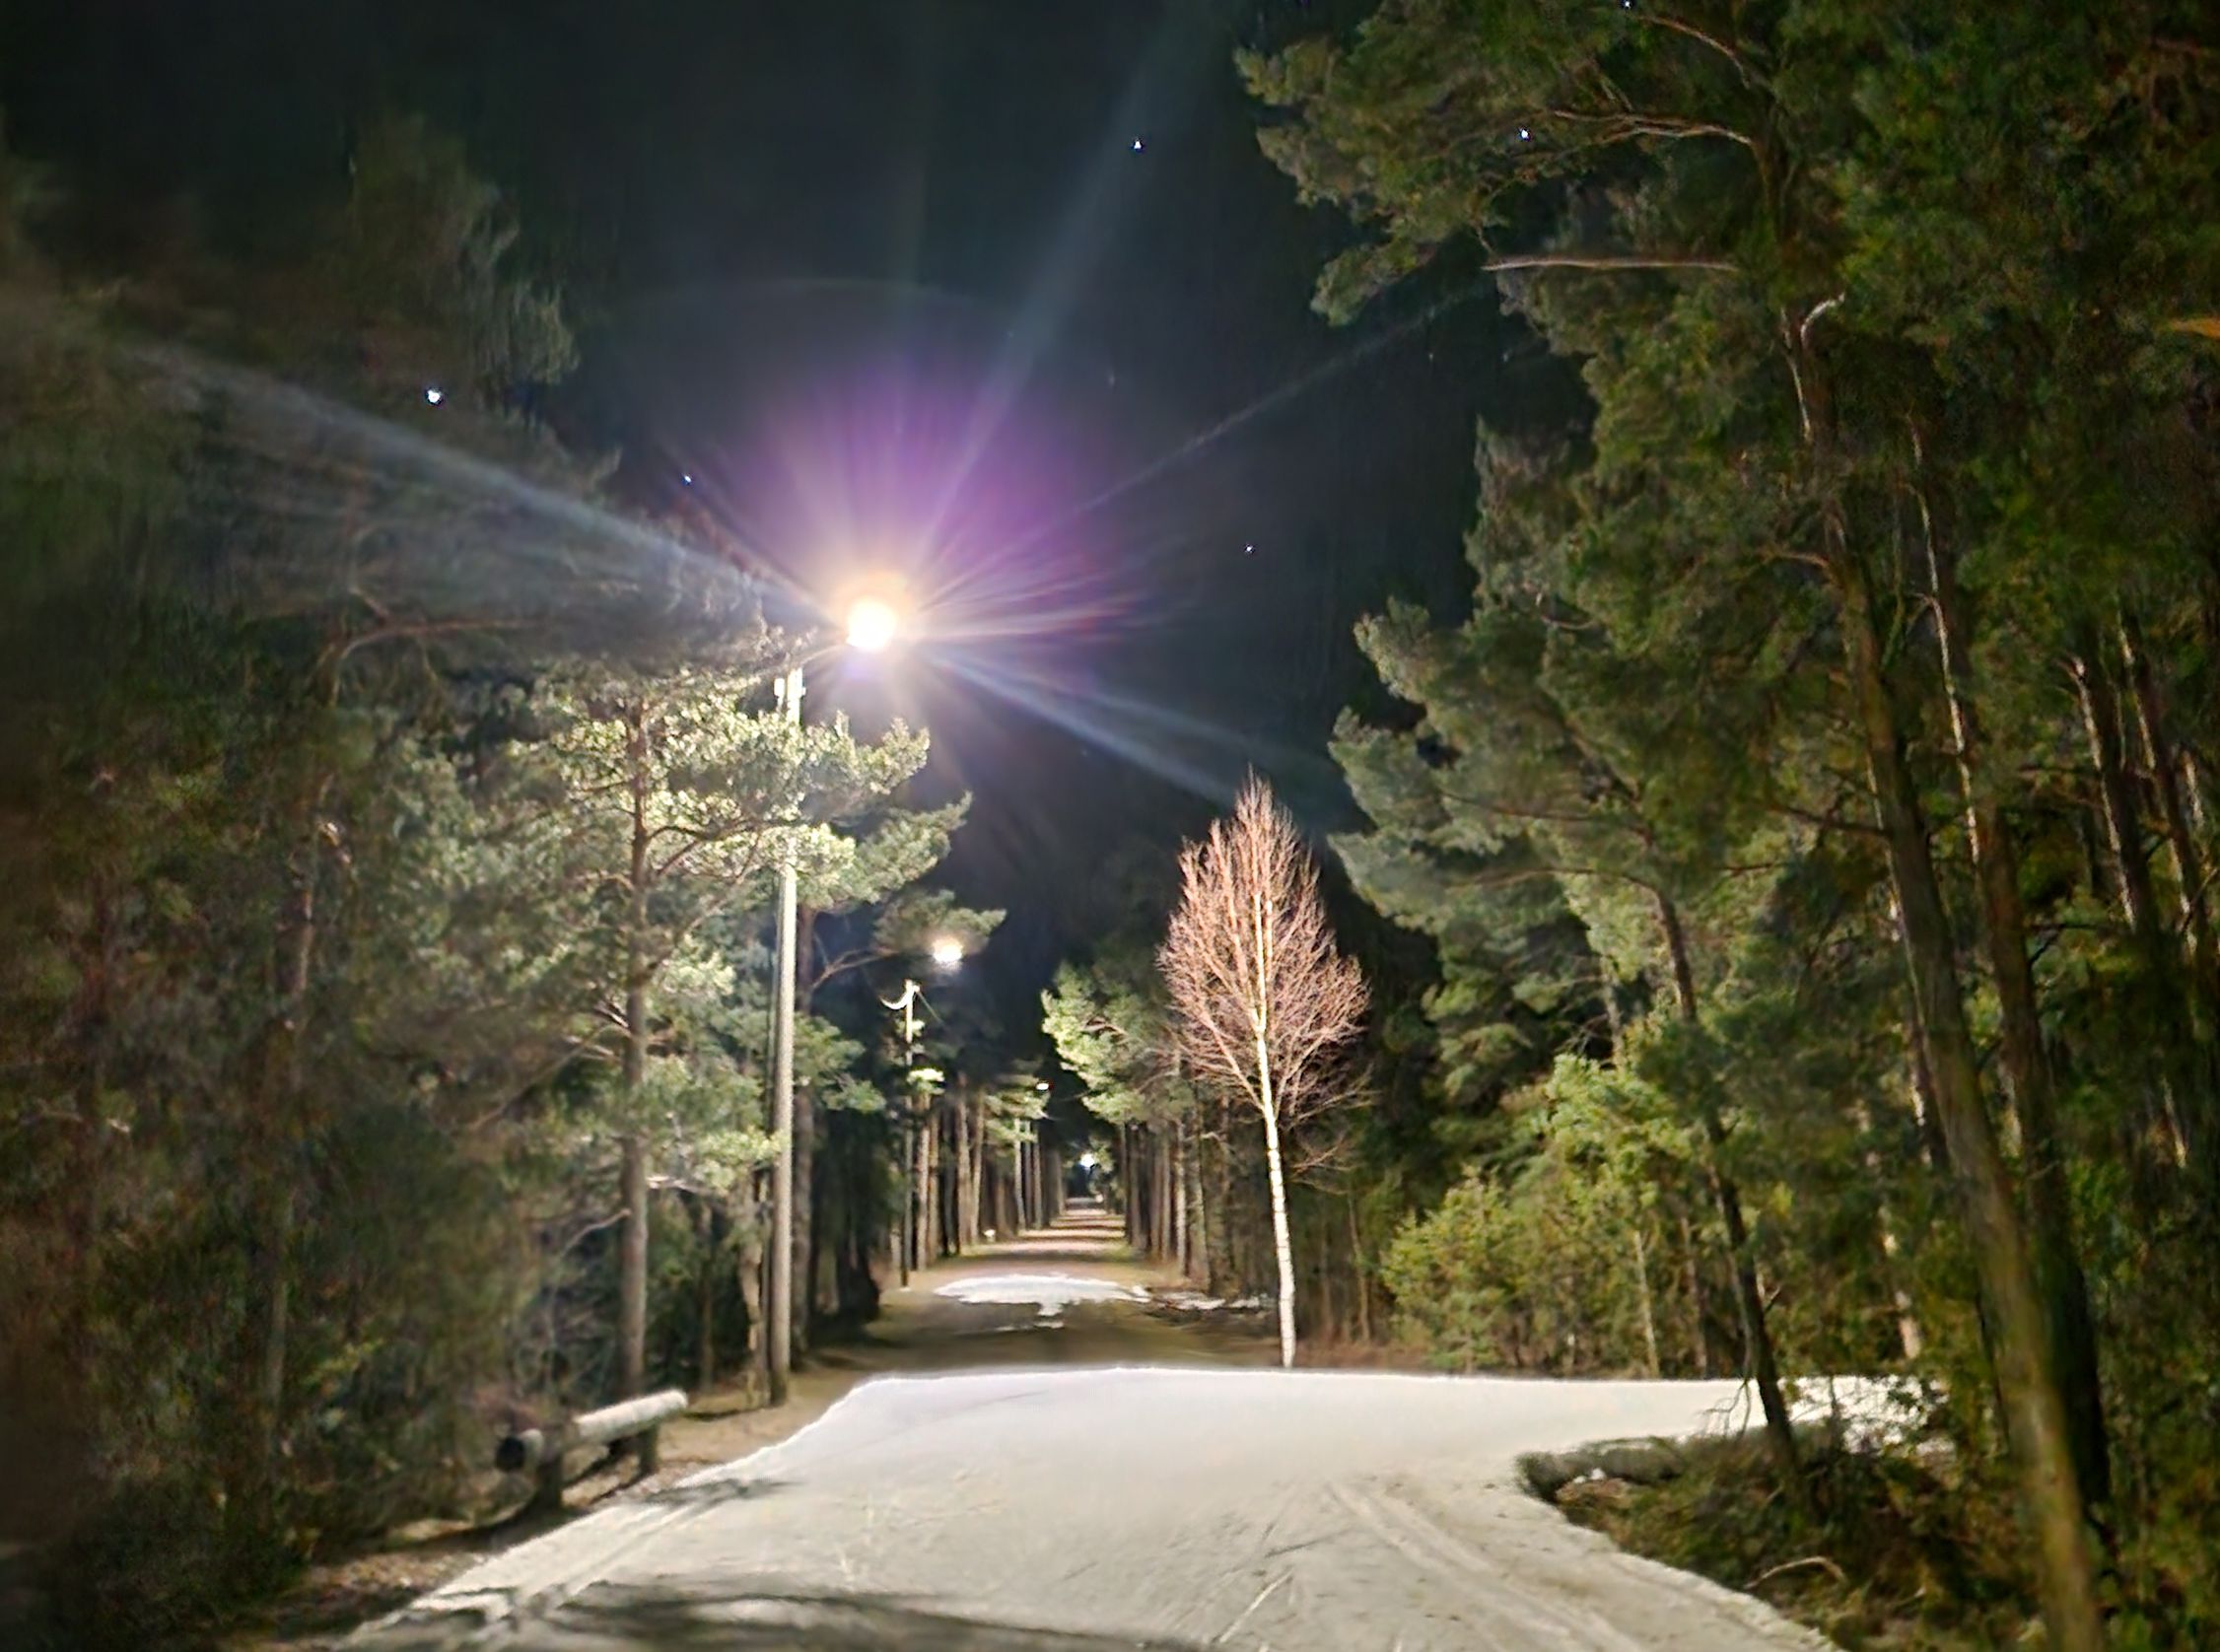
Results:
<point x="321" y="935"/>
<point x="1549" y="1257"/>
<point x="1889" y="486"/>
<point x="1109" y="1021"/>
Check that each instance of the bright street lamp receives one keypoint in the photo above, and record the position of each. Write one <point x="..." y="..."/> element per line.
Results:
<point x="873" y="624"/>
<point x="946" y="951"/>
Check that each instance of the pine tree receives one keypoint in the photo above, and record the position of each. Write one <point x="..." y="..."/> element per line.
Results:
<point x="1541" y="763"/>
<point x="685" y="800"/>
<point x="1777" y="244"/>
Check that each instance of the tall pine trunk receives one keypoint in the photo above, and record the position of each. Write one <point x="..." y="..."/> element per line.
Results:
<point x="1130" y="1182"/>
<point x="2162" y="1129"/>
<point x="1363" y="1274"/>
<point x="2174" y="813"/>
<point x="1165" y="1222"/>
<point x="1197" y="1259"/>
<point x="704" y="1297"/>
<point x="2042" y="1439"/>
<point x="1911" y="1338"/>
<point x="960" y="1134"/>
<point x="2058" y="1276"/>
<point x="928" y="1188"/>
<point x="1698" y="1298"/>
<point x="978" y="1165"/>
<point x="277" y="1129"/>
<point x="1656" y="1365"/>
<point x="2199" y="1056"/>
<point x="1764" y="1369"/>
<point x="1180" y="1213"/>
<point x="919" y="1252"/>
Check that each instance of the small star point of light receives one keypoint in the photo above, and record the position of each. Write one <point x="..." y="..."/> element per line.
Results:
<point x="434" y="394"/>
<point x="686" y="477"/>
<point x="1138" y="145"/>
<point x="1249" y="550"/>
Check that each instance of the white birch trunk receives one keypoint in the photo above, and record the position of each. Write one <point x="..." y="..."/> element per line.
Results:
<point x="1283" y="1247"/>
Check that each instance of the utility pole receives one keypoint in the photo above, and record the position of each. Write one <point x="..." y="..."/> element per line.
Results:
<point x="778" y="1300"/>
<point x="873" y="623"/>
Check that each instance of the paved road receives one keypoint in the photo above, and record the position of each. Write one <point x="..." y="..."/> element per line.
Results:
<point x="1159" y="1495"/>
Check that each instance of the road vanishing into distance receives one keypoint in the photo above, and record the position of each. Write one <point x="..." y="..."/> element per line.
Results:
<point x="1092" y="1461"/>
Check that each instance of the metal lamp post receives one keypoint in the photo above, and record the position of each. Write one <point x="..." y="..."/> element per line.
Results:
<point x="872" y="625"/>
<point x="947" y="953"/>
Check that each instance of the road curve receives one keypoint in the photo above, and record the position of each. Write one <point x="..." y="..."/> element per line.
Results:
<point x="1086" y="1508"/>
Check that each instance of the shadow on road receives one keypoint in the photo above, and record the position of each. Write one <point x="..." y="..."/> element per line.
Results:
<point x="614" y="1618"/>
<point x="702" y="1493"/>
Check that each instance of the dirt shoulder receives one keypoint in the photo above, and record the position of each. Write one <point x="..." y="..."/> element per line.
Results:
<point x="1896" y="1557"/>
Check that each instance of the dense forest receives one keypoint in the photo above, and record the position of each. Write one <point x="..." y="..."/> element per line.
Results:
<point x="1812" y="812"/>
<point x="1780" y="941"/>
<point x="390" y="832"/>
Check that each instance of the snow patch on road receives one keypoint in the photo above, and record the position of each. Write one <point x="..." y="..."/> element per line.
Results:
<point x="1051" y="1293"/>
<point x="1295" y="1511"/>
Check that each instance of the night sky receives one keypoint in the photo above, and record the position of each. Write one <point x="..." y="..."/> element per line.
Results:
<point x="1001" y="292"/>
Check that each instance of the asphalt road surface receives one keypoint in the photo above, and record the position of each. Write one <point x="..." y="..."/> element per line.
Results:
<point x="1085" y="1467"/>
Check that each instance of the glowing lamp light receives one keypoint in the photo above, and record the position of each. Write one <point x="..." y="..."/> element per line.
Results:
<point x="1086" y="1161"/>
<point x="873" y="624"/>
<point x="948" y="951"/>
<point x="1042" y="1086"/>
<point x="434" y="394"/>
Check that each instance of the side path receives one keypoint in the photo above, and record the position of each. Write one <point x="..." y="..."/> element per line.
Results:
<point x="1068" y="1294"/>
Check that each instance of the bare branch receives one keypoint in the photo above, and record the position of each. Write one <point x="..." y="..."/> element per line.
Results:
<point x="1608" y="261"/>
<point x="1264" y="997"/>
<point x="1657" y="19"/>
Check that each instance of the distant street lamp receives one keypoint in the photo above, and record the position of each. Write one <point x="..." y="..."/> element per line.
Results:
<point x="873" y="624"/>
<point x="947" y="953"/>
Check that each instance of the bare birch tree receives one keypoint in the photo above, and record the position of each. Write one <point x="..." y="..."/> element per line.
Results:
<point x="1264" y="998"/>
